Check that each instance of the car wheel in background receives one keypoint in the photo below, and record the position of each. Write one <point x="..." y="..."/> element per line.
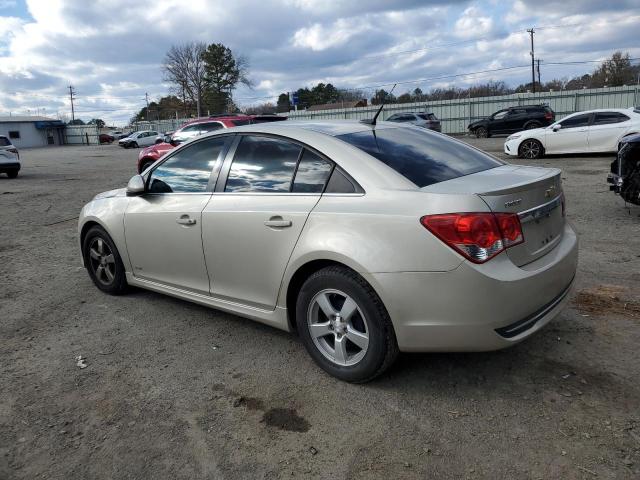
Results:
<point x="12" y="174"/>
<point x="146" y="165"/>
<point x="482" y="132"/>
<point x="530" y="149"/>
<point x="103" y="262"/>
<point x="344" y="325"/>
<point x="133" y="144"/>
<point x="532" y="125"/>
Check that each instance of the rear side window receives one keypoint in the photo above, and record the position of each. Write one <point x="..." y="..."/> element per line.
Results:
<point x="422" y="157"/>
<point x="427" y="116"/>
<point x="604" y="118"/>
<point x="263" y="164"/>
<point x="577" y="121"/>
<point x="189" y="169"/>
<point x="313" y="172"/>
<point x="238" y="123"/>
<point x="210" y="127"/>
<point x="4" y="142"/>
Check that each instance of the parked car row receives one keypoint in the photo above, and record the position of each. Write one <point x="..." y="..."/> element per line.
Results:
<point x="195" y="128"/>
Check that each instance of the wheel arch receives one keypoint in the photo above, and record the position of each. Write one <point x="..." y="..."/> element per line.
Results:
<point x="304" y="271"/>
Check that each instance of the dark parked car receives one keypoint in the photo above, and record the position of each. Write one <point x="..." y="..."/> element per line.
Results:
<point x="105" y="138"/>
<point x="513" y="119"/>
<point x="421" y="119"/>
<point x="625" y="170"/>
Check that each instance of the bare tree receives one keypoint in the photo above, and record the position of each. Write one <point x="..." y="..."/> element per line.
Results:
<point x="184" y="67"/>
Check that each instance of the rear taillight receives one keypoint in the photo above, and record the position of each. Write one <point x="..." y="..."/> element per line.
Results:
<point x="548" y="116"/>
<point x="477" y="236"/>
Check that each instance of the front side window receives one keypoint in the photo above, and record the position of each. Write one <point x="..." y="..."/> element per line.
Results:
<point x="263" y="164"/>
<point x="4" y="142"/>
<point x="422" y="157"/>
<point x="500" y="115"/>
<point x="189" y="169"/>
<point x="577" y="121"/>
<point x="312" y="173"/>
<point x="605" y="118"/>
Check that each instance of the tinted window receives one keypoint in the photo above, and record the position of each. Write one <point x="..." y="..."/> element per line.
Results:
<point x="604" y="118"/>
<point x="263" y="164"/>
<point x="4" y="142"/>
<point x="427" y="116"/>
<point x="210" y="127"/>
<point x="577" y="121"/>
<point x="191" y="128"/>
<point x="421" y="156"/>
<point x="339" y="183"/>
<point x="500" y="115"/>
<point x="237" y="123"/>
<point x="189" y="169"/>
<point x="313" y="172"/>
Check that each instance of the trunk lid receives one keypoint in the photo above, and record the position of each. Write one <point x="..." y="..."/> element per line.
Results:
<point x="534" y="193"/>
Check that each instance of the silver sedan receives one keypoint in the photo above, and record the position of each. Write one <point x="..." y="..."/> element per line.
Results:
<point x="365" y="239"/>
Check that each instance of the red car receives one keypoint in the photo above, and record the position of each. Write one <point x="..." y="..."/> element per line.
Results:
<point x="197" y="127"/>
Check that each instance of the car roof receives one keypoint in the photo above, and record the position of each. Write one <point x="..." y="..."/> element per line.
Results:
<point x="328" y="127"/>
<point x="626" y="111"/>
<point x="216" y="118"/>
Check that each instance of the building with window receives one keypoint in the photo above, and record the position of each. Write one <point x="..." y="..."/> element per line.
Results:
<point x="32" y="131"/>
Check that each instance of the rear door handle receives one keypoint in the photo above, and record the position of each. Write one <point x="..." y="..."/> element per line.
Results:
<point x="185" y="220"/>
<point x="278" y="222"/>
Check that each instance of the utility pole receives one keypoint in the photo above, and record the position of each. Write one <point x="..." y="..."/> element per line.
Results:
<point x="146" y="97"/>
<point x="72" y="94"/>
<point x="531" y="31"/>
<point x="538" y="60"/>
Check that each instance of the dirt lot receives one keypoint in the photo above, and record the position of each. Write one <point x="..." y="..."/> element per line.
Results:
<point x="174" y="390"/>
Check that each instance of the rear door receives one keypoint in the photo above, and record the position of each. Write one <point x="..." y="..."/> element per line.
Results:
<point x="163" y="228"/>
<point x="253" y="221"/>
<point x="606" y="130"/>
<point x="572" y="137"/>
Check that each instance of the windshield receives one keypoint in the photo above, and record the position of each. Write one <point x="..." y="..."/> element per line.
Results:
<point x="421" y="156"/>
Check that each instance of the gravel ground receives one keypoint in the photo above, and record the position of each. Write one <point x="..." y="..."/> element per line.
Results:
<point x="175" y="390"/>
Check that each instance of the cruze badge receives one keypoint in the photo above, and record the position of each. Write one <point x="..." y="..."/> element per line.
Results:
<point x="513" y="203"/>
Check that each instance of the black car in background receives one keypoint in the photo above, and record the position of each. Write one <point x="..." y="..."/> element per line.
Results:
<point x="421" y="119"/>
<point x="625" y="170"/>
<point x="513" y="119"/>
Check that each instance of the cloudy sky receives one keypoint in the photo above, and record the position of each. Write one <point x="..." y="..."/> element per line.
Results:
<point x="112" y="51"/>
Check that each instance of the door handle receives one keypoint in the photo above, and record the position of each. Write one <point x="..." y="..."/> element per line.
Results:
<point x="185" y="220"/>
<point x="278" y="222"/>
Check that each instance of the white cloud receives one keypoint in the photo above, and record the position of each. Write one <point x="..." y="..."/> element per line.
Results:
<point x="473" y="24"/>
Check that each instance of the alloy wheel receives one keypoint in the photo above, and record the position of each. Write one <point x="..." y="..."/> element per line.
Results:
<point x="103" y="263"/>
<point x="530" y="149"/>
<point x="338" y="327"/>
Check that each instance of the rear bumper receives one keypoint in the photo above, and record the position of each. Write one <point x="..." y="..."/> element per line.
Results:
<point x="479" y="307"/>
<point x="9" y="166"/>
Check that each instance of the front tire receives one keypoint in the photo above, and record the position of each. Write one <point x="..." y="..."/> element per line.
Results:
<point x="12" y="174"/>
<point x="344" y="326"/>
<point x="146" y="165"/>
<point x="530" y="149"/>
<point x="134" y="144"/>
<point x="103" y="262"/>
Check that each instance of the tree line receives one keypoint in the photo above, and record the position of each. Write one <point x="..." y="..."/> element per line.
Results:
<point x="203" y="78"/>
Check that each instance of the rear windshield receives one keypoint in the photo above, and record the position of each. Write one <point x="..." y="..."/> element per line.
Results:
<point x="4" y="142"/>
<point x="422" y="157"/>
<point x="427" y="116"/>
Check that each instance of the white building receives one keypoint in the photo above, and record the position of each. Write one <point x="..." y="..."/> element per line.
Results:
<point x="27" y="131"/>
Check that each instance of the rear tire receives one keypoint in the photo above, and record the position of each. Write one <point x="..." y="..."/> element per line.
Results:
<point x="532" y="125"/>
<point x="146" y="165"/>
<point x="344" y="326"/>
<point x="103" y="262"/>
<point x="12" y="174"/>
<point x="482" y="132"/>
<point x="530" y="149"/>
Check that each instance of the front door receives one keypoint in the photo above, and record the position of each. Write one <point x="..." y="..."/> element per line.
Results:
<point x="571" y="137"/>
<point x="255" y="217"/>
<point x="163" y="227"/>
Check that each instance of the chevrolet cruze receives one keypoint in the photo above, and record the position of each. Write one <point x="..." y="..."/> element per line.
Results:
<point x="365" y="239"/>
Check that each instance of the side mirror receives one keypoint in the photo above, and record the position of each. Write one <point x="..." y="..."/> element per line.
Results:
<point x="556" y="127"/>
<point x="135" y="186"/>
